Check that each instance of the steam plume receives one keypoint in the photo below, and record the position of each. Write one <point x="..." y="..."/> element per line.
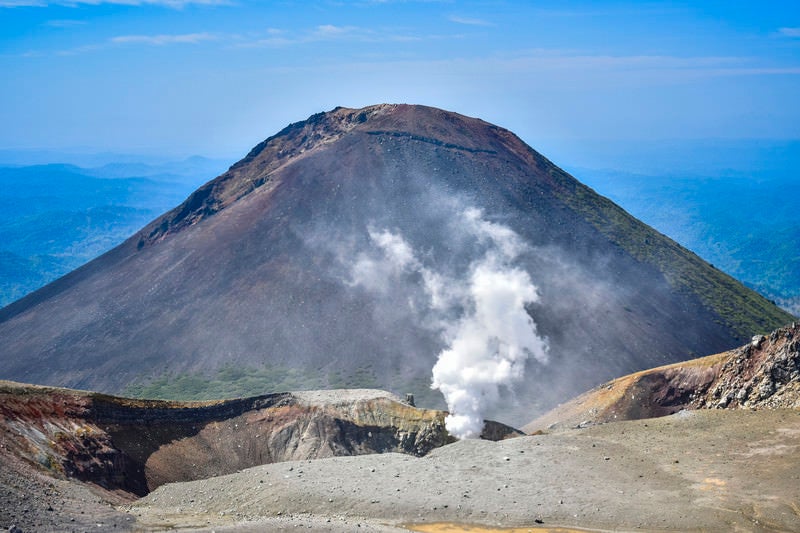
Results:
<point x="480" y="315"/>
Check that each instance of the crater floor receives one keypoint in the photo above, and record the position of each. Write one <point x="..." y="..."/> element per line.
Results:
<point x="695" y="470"/>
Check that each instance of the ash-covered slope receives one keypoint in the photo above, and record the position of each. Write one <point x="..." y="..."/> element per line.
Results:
<point x="318" y="252"/>
<point x="764" y="374"/>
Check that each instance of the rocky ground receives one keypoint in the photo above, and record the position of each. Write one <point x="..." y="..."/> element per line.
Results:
<point x="297" y="460"/>
<point x="709" y="470"/>
<point x="31" y="501"/>
<point x="69" y="458"/>
<point x="703" y="470"/>
<point x="764" y="374"/>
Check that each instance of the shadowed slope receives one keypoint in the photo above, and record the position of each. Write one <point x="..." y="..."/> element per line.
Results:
<point x="257" y="267"/>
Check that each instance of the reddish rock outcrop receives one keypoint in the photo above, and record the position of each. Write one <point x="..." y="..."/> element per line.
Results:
<point x="762" y="374"/>
<point x="137" y="445"/>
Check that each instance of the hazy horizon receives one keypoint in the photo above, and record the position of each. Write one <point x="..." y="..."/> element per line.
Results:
<point x="758" y="158"/>
<point x="215" y="77"/>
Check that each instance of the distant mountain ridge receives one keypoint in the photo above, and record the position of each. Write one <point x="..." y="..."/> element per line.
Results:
<point x="257" y="268"/>
<point x="56" y="217"/>
<point x="746" y="224"/>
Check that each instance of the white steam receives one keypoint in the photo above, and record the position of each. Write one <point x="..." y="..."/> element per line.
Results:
<point x="480" y="315"/>
<point x="397" y="258"/>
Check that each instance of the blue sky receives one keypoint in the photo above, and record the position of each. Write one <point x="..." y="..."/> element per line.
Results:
<point x="216" y="77"/>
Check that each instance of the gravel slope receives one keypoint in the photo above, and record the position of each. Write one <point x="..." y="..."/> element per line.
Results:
<point x="32" y="501"/>
<point x="704" y="470"/>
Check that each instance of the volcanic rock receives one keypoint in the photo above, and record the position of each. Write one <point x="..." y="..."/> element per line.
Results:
<point x="138" y="445"/>
<point x="764" y="374"/>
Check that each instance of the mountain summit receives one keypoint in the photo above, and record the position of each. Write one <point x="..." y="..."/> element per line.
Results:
<point x="356" y="247"/>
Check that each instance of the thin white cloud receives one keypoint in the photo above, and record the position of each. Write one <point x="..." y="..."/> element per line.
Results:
<point x="469" y="21"/>
<point x="79" y="50"/>
<point x="160" y="40"/>
<point x="330" y="31"/>
<point x="371" y="2"/>
<point x="275" y="38"/>
<point x="570" y="68"/>
<point x="658" y="69"/>
<point x="147" y="40"/>
<point x="334" y="33"/>
<point x="64" y="23"/>
<point x="789" y="32"/>
<point x="175" y="4"/>
<point x="325" y="32"/>
<point x="566" y="59"/>
<point x="755" y="71"/>
<point x="634" y="69"/>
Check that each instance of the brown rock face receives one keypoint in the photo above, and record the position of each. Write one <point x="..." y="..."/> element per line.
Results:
<point x="138" y="445"/>
<point x="255" y="269"/>
<point x="762" y="374"/>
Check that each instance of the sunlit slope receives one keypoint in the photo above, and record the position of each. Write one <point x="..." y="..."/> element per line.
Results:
<point x="763" y="374"/>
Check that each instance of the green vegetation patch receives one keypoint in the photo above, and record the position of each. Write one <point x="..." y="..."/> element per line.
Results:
<point x="229" y="381"/>
<point x="232" y="381"/>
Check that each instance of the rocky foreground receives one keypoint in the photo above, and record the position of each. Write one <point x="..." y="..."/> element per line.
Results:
<point x="710" y="470"/>
<point x="694" y="471"/>
<point x="68" y="457"/>
<point x="725" y="459"/>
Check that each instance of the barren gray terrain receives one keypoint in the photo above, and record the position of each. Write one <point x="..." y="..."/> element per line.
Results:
<point x="699" y="470"/>
<point x="731" y="469"/>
